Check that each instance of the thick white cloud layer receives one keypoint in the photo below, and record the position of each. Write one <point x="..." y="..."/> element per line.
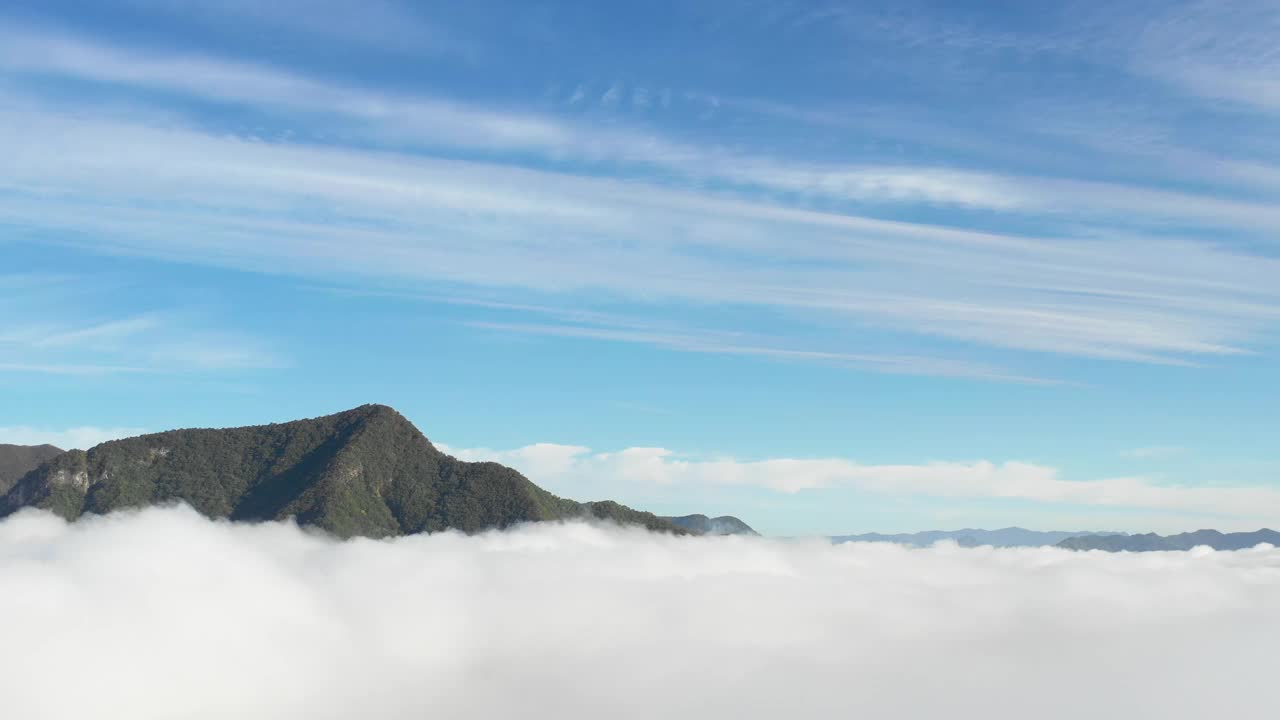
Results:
<point x="163" y="614"/>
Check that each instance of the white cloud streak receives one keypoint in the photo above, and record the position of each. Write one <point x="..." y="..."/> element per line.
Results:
<point x="171" y="615"/>
<point x="69" y="369"/>
<point x="81" y="438"/>
<point x="64" y="338"/>
<point x="711" y="343"/>
<point x="444" y="124"/>
<point x="580" y="471"/>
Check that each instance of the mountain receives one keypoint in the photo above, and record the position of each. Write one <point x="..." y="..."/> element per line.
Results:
<point x="1183" y="541"/>
<point x="18" y="460"/>
<point x="703" y="525"/>
<point x="364" y="472"/>
<point x="969" y="537"/>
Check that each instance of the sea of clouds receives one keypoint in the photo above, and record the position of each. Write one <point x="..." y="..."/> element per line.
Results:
<point x="164" y="614"/>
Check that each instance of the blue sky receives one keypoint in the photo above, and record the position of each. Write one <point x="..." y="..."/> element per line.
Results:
<point x="827" y="267"/>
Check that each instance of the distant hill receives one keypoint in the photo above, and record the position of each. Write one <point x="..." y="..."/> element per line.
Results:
<point x="703" y="525"/>
<point x="1183" y="541"/>
<point x="969" y="537"/>
<point x="364" y="472"/>
<point x="18" y="460"/>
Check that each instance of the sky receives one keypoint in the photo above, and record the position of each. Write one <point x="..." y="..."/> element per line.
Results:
<point x="828" y="267"/>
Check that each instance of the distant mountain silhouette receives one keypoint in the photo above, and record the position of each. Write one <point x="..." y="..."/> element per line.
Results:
<point x="968" y="537"/>
<point x="1183" y="541"/>
<point x="18" y="460"/>
<point x="703" y="525"/>
<point x="366" y="472"/>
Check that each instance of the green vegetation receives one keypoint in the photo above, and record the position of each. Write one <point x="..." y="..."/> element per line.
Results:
<point x="365" y="472"/>
<point x="610" y="510"/>
<point x="703" y="525"/>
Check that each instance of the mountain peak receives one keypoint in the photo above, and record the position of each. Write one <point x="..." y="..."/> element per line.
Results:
<point x="375" y="413"/>
<point x="365" y="471"/>
<point x="374" y="410"/>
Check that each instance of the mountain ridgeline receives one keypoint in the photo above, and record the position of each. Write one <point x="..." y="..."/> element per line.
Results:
<point x="364" y="472"/>
<point x="703" y="525"/>
<point x="1150" y="542"/>
<point x="969" y="537"/>
<point x="18" y="460"/>
<point x="369" y="472"/>
<point x="1014" y="537"/>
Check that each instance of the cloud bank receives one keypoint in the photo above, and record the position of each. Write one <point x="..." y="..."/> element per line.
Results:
<point x="579" y="471"/>
<point x="81" y="438"/>
<point x="163" y="614"/>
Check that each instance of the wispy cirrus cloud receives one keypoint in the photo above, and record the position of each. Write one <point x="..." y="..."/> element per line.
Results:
<point x="439" y="123"/>
<point x="721" y="344"/>
<point x="1117" y="284"/>
<point x="62" y="331"/>
<point x="1218" y="51"/>
<point x="1127" y="298"/>
<point x="70" y="369"/>
<point x="95" y="336"/>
